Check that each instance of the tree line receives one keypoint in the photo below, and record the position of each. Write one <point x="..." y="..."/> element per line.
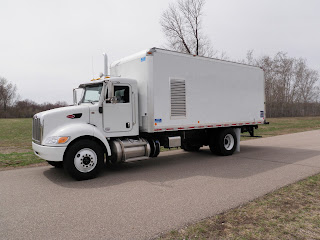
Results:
<point x="291" y="87"/>
<point x="12" y="107"/>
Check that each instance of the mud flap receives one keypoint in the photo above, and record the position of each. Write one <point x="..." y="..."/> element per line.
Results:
<point x="237" y="131"/>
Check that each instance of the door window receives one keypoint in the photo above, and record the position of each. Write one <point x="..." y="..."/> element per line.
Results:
<point x="122" y="94"/>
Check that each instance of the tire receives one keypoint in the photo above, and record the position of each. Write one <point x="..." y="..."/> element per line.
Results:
<point x="154" y="146"/>
<point x="213" y="143"/>
<point x="84" y="160"/>
<point x="56" y="164"/>
<point x="224" y="143"/>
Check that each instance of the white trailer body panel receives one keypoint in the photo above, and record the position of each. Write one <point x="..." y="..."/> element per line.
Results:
<point x="180" y="91"/>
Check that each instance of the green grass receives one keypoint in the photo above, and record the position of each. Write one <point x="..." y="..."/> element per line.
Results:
<point x="16" y="133"/>
<point x="292" y="212"/>
<point x="280" y="126"/>
<point x="16" y="143"/>
<point x="18" y="159"/>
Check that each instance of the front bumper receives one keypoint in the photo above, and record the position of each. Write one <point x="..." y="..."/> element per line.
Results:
<point x="54" y="154"/>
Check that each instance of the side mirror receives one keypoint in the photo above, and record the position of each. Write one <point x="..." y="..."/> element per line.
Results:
<point x="77" y="92"/>
<point x="110" y="89"/>
<point x="112" y="100"/>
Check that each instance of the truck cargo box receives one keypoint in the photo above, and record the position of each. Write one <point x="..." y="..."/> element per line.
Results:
<point x="180" y="91"/>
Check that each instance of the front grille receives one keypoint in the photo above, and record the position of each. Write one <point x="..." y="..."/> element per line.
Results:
<point x="36" y="130"/>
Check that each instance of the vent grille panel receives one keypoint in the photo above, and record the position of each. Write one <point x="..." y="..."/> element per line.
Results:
<point x="178" y="98"/>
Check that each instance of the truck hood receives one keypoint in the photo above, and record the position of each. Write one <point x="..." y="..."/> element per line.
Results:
<point x="61" y="112"/>
<point x="63" y="116"/>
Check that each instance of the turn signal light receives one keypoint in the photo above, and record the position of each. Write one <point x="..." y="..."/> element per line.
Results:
<point x="63" y="139"/>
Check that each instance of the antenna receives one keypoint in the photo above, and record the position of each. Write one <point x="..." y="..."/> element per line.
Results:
<point x="92" y="68"/>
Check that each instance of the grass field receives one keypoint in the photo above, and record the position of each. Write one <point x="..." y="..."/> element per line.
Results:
<point x="16" y="150"/>
<point x="15" y="143"/>
<point x="280" y="126"/>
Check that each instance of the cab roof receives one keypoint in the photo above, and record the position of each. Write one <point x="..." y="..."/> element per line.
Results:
<point x="112" y="79"/>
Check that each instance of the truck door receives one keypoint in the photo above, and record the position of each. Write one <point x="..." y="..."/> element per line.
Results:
<point x="117" y="116"/>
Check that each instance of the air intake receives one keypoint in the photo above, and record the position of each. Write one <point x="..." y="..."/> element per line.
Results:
<point x="178" y="97"/>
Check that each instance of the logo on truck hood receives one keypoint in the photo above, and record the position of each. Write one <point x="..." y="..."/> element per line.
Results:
<point x="75" y="115"/>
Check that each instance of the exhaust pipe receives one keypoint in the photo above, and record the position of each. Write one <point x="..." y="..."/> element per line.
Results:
<point x="106" y="73"/>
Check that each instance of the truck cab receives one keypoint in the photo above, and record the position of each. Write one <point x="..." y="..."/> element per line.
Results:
<point x="113" y="105"/>
<point x="103" y="109"/>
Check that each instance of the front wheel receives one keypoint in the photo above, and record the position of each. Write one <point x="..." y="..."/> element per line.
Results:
<point x="84" y="159"/>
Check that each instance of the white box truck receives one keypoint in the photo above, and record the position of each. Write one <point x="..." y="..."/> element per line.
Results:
<point x="151" y="99"/>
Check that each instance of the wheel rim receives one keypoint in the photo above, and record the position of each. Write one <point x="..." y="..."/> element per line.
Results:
<point x="228" y="142"/>
<point x="85" y="160"/>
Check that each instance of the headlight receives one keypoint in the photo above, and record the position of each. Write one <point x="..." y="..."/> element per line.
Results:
<point x="56" y="140"/>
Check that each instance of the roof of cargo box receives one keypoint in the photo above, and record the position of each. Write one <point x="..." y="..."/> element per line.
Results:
<point x="150" y="51"/>
<point x="131" y="57"/>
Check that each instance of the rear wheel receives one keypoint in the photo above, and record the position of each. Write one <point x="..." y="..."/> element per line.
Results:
<point x="224" y="143"/>
<point x="213" y="144"/>
<point x="154" y="146"/>
<point x="84" y="159"/>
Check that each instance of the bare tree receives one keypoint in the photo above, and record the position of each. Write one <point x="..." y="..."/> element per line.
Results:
<point x="182" y="26"/>
<point x="7" y="94"/>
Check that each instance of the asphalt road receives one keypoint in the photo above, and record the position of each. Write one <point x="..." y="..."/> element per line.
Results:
<point x="143" y="199"/>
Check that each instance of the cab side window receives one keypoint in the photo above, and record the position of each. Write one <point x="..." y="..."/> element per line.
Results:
<point x="122" y="94"/>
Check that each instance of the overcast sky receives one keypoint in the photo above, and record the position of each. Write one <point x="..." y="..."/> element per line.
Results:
<point x="47" y="47"/>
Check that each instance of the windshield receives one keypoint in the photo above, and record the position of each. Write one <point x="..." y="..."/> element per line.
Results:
<point x="92" y="93"/>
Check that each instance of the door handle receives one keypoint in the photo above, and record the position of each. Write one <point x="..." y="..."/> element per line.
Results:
<point x="128" y="125"/>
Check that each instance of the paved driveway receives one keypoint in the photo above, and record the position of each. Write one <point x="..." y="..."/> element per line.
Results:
<point x="143" y="199"/>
